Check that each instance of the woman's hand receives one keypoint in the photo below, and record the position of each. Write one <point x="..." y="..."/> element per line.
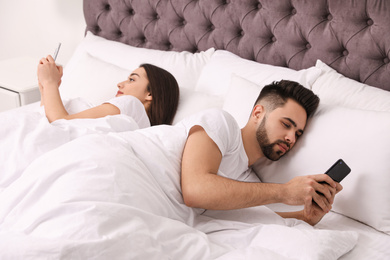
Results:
<point x="49" y="74"/>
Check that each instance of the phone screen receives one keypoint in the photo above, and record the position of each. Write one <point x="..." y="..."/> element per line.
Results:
<point x="338" y="171"/>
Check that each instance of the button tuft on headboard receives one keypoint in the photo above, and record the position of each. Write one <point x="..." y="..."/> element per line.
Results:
<point x="97" y="29"/>
<point x="293" y="11"/>
<point x="107" y="7"/>
<point x="370" y="22"/>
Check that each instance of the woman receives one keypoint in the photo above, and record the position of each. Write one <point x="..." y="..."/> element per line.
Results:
<point x="149" y="96"/>
<point x="154" y="88"/>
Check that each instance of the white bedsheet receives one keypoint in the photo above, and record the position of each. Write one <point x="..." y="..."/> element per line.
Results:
<point x="118" y="196"/>
<point x="372" y="244"/>
<point x="26" y="134"/>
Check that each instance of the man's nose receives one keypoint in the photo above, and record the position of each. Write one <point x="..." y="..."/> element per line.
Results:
<point x="290" y="139"/>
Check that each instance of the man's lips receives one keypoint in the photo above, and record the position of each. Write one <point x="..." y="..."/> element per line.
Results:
<point x="283" y="147"/>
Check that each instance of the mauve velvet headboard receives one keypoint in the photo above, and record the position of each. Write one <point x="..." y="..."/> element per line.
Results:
<point x="352" y="36"/>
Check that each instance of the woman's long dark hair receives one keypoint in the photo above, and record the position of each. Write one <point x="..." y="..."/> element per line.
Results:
<point x="165" y="95"/>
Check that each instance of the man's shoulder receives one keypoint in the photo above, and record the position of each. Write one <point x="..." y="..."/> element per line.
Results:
<point x="218" y="114"/>
<point x="214" y="119"/>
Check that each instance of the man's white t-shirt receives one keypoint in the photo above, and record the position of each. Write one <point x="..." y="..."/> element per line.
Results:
<point x="223" y="129"/>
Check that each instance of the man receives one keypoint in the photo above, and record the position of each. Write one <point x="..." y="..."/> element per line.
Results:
<point x="216" y="152"/>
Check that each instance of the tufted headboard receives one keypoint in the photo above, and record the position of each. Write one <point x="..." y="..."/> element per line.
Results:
<point x="352" y="36"/>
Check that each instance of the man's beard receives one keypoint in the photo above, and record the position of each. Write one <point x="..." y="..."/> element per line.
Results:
<point x="266" y="146"/>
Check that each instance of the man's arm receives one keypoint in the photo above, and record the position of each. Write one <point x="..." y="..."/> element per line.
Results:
<point x="203" y="188"/>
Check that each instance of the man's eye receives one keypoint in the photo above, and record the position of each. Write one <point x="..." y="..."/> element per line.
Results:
<point x="286" y="125"/>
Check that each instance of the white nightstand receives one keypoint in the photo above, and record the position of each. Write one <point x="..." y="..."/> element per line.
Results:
<point x="18" y="82"/>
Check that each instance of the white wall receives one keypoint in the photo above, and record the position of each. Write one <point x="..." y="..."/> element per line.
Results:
<point x="34" y="28"/>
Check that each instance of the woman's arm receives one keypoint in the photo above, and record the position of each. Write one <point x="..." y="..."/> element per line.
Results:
<point x="49" y="77"/>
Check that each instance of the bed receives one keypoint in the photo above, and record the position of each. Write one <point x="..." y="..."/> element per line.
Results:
<point x="58" y="202"/>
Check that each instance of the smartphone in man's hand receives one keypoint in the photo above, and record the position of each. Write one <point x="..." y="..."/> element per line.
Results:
<point x="338" y="171"/>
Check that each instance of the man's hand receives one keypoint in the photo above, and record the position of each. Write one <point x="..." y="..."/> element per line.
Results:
<point x="312" y="217"/>
<point x="312" y="213"/>
<point x="304" y="190"/>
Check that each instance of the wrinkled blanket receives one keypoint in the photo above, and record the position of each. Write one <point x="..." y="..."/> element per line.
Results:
<point x="26" y="134"/>
<point x="118" y="196"/>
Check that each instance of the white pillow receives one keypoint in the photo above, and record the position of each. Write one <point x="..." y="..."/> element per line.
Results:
<point x="240" y="99"/>
<point x="336" y="89"/>
<point x="215" y="77"/>
<point x="92" y="79"/>
<point x="359" y="137"/>
<point x="192" y="102"/>
<point x="185" y="66"/>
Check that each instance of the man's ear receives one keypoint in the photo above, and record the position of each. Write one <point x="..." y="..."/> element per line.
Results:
<point x="258" y="112"/>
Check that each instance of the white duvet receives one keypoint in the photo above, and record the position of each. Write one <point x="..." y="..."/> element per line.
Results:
<point x="117" y="196"/>
<point x="26" y="134"/>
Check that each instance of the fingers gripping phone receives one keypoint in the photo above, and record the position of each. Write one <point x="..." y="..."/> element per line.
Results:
<point x="338" y="171"/>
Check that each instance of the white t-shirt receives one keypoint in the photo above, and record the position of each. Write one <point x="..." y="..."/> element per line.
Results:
<point x="128" y="105"/>
<point x="133" y="107"/>
<point x="223" y="129"/>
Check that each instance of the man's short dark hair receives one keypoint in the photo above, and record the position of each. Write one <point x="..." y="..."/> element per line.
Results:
<point x="277" y="93"/>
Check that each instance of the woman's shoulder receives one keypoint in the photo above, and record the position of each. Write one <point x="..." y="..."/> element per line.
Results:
<point x="125" y="99"/>
<point x="133" y="107"/>
<point x="126" y="102"/>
